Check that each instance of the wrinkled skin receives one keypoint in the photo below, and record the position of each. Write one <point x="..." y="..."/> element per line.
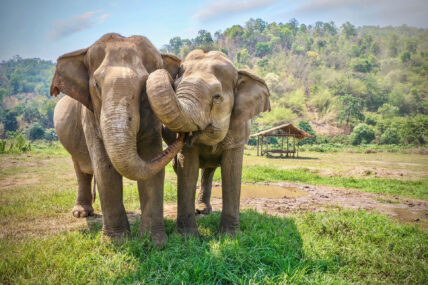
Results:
<point x="214" y="101"/>
<point x="108" y="127"/>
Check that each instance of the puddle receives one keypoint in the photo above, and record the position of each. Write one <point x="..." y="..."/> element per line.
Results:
<point x="264" y="191"/>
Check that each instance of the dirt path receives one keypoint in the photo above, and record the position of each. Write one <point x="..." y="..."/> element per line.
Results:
<point x="297" y="198"/>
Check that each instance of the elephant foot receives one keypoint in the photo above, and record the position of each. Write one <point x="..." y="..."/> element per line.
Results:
<point x="81" y="211"/>
<point x="187" y="228"/>
<point x="157" y="233"/>
<point x="116" y="237"/>
<point x="229" y="225"/>
<point x="203" y="209"/>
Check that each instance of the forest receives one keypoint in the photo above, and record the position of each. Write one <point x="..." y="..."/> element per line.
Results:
<point x="345" y="85"/>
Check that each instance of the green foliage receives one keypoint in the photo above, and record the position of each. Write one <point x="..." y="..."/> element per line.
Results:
<point x="350" y="109"/>
<point x="390" y="136"/>
<point x="366" y="65"/>
<point x="15" y="144"/>
<point x="10" y="122"/>
<point x="50" y="135"/>
<point x="262" y="49"/>
<point x="415" y="131"/>
<point x="36" y="132"/>
<point x="305" y="126"/>
<point x="362" y="134"/>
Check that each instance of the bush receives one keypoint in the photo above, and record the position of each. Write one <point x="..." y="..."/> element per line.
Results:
<point x="362" y="133"/>
<point x="17" y="144"/>
<point x="36" y="132"/>
<point x="390" y="136"/>
<point x="303" y="125"/>
<point x="415" y="131"/>
<point x="50" y="135"/>
<point x="340" y="139"/>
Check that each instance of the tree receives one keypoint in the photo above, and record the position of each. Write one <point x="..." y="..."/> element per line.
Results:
<point x="36" y="132"/>
<point x="362" y="133"/>
<point x="390" y="136"/>
<point x="350" y="109"/>
<point x="175" y="44"/>
<point x="10" y="122"/>
<point x="203" y="39"/>
<point x="305" y="126"/>
<point x="262" y="48"/>
<point x="349" y="30"/>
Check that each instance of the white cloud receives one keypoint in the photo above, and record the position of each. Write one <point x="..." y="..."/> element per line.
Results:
<point x="220" y="9"/>
<point x="379" y="12"/>
<point x="75" y="24"/>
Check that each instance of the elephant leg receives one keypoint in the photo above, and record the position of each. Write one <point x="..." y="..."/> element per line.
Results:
<point x="204" y="195"/>
<point x="231" y="172"/>
<point x="187" y="177"/>
<point x="83" y="206"/>
<point x="109" y="182"/>
<point x="151" y="195"/>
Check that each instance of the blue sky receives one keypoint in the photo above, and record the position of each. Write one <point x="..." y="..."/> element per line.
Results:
<point x="49" y="28"/>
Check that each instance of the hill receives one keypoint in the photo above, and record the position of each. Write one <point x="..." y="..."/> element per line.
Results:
<point x="333" y="77"/>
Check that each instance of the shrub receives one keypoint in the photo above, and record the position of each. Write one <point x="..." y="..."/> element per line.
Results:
<point x="50" y="135"/>
<point x="390" y="136"/>
<point x="415" y="131"/>
<point x="303" y="125"/>
<point x="362" y="133"/>
<point x="36" y="132"/>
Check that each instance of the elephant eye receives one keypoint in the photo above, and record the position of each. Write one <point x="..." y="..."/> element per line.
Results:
<point x="96" y="85"/>
<point x="217" y="96"/>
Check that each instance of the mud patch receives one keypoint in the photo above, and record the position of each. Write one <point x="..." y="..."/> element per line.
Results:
<point x="321" y="198"/>
<point x="255" y="191"/>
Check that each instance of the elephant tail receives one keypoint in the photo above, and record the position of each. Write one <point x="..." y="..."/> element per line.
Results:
<point x="94" y="193"/>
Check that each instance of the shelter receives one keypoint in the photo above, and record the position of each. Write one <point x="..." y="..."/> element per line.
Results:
<point x="286" y="130"/>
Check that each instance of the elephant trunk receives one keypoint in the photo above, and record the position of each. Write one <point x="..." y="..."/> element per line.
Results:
<point x="180" y="112"/>
<point x="120" y="123"/>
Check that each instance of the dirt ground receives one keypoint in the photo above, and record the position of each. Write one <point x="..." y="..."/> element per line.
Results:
<point x="297" y="198"/>
<point x="273" y="198"/>
<point x="309" y="198"/>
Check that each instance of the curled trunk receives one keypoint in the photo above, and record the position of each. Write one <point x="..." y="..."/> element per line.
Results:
<point x="119" y="127"/>
<point x="179" y="113"/>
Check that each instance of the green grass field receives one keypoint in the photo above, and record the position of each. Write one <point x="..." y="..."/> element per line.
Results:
<point x="42" y="243"/>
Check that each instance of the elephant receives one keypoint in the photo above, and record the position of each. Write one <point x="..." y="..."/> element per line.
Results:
<point x="108" y="127"/>
<point x="215" y="102"/>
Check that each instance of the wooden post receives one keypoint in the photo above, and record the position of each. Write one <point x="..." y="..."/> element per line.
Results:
<point x="261" y="146"/>
<point x="282" y="145"/>
<point x="258" y="145"/>
<point x="294" y="146"/>
<point x="287" y="147"/>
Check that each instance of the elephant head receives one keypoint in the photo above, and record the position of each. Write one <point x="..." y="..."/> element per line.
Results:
<point x="109" y="78"/>
<point x="211" y="96"/>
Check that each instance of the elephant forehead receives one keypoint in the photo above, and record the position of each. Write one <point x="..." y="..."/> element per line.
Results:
<point x="218" y="67"/>
<point x="123" y="51"/>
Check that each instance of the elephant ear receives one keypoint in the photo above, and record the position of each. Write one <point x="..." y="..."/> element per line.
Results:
<point x="251" y="97"/>
<point x="171" y="63"/>
<point x="71" y="77"/>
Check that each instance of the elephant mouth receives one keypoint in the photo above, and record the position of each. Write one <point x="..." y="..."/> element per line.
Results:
<point x="191" y="138"/>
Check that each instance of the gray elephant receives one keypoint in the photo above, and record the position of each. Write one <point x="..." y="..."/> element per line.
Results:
<point x="215" y="102"/>
<point x="110" y="130"/>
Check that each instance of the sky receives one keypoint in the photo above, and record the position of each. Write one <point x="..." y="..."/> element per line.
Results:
<point x="49" y="28"/>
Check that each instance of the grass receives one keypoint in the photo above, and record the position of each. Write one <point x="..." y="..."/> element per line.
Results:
<point x="333" y="247"/>
<point x="405" y="188"/>
<point x="325" y="248"/>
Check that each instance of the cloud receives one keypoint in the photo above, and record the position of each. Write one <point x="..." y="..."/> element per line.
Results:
<point x="224" y="8"/>
<point x="383" y="12"/>
<point x="77" y="23"/>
